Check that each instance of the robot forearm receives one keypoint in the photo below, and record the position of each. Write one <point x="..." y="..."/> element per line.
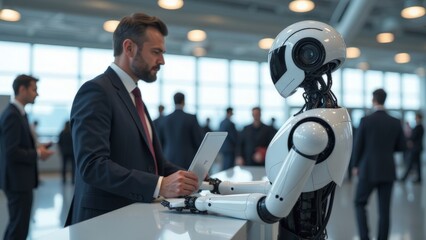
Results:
<point x="241" y="206"/>
<point x="216" y="186"/>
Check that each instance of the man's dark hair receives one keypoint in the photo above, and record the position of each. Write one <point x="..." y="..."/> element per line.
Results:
<point x="22" y="80"/>
<point x="133" y="27"/>
<point x="179" y="98"/>
<point x="419" y="115"/>
<point x="160" y="108"/>
<point x="379" y="96"/>
<point x="229" y="110"/>
<point x="256" y="108"/>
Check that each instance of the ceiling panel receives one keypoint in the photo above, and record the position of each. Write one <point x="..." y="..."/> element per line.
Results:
<point x="233" y="26"/>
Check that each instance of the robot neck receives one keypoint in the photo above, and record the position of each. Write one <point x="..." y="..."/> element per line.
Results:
<point x="318" y="93"/>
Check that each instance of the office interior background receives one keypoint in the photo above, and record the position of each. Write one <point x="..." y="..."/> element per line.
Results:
<point x="64" y="44"/>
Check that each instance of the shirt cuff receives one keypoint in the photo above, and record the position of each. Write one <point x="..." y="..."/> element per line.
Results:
<point x="157" y="188"/>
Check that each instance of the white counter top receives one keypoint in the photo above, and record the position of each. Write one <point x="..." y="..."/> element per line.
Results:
<point x="153" y="221"/>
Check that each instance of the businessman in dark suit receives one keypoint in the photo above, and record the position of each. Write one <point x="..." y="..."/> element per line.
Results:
<point x="415" y="148"/>
<point x="118" y="155"/>
<point x="229" y="146"/>
<point x="181" y="135"/>
<point x="157" y="122"/>
<point x="378" y="137"/>
<point x="253" y="141"/>
<point x="18" y="158"/>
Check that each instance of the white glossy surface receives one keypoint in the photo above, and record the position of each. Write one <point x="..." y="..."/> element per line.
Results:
<point x="152" y="221"/>
<point x="52" y="201"/>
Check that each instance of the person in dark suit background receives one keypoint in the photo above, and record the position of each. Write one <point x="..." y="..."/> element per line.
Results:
<point x="415" y="148"/>
<point x="180" y="134"/>
<point x="18" y="158"/>
<point x="253" y="141"/>
<point x="66" y="148"/>
<point x="157" y="122"/>
<point x="230" y="144"/>
<point x="378" y="137"/>
<point x="206" y="128"/>
<point x="274" y="129"/>
<point x="117" y="152"/>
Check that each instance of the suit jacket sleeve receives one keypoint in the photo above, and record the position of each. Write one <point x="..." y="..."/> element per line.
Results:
<point x="197" y="133"/>
<point x="18" y="149"/>
<point x="358" y="147"/>
<point x="401" y="143"/>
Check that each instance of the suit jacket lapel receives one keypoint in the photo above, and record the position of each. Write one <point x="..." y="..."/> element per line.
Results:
<point x="125" y="98"/>
<point x="26" y="125"/>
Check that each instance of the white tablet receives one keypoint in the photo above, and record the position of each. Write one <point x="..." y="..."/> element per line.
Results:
<point x="206" y="154"/>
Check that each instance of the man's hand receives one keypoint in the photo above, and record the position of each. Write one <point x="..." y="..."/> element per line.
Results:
<point x="180" y="183"/>
<point x="355" y="171"/>
<point x="259" y="155"/>
<point x="43" y="152"/>
<point x="239" y="161"/>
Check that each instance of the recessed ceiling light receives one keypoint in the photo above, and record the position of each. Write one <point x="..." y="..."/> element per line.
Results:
<point x="266" y="43"/>
<point x="196" y="35"/>
<point x="170" y="4"/>
<point x="402" y="58"/>
<point x="301" y="5"/>
<point x="385" y="37"/>
<point x="413" y="9"/>
<point x="352" y="52"/>
<point x="421" y="71"/>
<point x="9" y="15"/>
<point x="199" y="51"/>
<point x="363" y="66"/>
<point x="111" y="25"/>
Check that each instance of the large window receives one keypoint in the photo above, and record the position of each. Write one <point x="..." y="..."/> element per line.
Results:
<point x="410" y="91"/>
<point x="94" y="62"/>
<point x="213" y="90"/>
<point x="209" y="84"/>
<point x="15" y="60"/>
<point x="271" y="102"/>
<point x="352" y="82"/>
<point x="178" y="75"/>
<point x="392" y="85"/>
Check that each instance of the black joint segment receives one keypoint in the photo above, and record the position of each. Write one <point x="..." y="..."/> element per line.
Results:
<point x="215" y="182"/>
<point x="263" y="212"/>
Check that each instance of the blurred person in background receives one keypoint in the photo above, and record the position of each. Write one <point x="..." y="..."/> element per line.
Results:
<point x="67" y="153"/>
<point x="180" y="134"/>
<point x="230" y="144"/>
<point x="18" y="158"/>
<point x="415" y="148"/>
<point x="378" y="137"/>
<point x="253" y="141"/>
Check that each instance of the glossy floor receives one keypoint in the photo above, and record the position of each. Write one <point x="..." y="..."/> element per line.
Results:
<point x="52" y="200"/>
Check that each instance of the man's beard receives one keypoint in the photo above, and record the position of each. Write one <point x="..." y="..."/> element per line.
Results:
<point x="144" y="74"/>
<point x="141" y="69"/>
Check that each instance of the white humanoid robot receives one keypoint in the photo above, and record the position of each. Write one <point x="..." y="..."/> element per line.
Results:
<point x="309" y="154"/>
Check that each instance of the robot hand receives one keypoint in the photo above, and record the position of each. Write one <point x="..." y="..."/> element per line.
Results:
<point x="180" y="204"/>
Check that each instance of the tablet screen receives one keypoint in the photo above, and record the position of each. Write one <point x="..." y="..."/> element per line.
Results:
<point x="206" y="154"/>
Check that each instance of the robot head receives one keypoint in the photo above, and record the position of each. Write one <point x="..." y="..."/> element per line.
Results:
<point x="303" y="49"/>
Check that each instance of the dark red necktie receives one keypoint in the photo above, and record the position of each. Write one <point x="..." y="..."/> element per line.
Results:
<point x="141" y="111"/>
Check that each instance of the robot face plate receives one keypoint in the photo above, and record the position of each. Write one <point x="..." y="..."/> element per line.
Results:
<point x="301" y="49"/>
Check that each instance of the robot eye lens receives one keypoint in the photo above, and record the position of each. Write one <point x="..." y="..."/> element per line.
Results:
<point x="309" y="54"/>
